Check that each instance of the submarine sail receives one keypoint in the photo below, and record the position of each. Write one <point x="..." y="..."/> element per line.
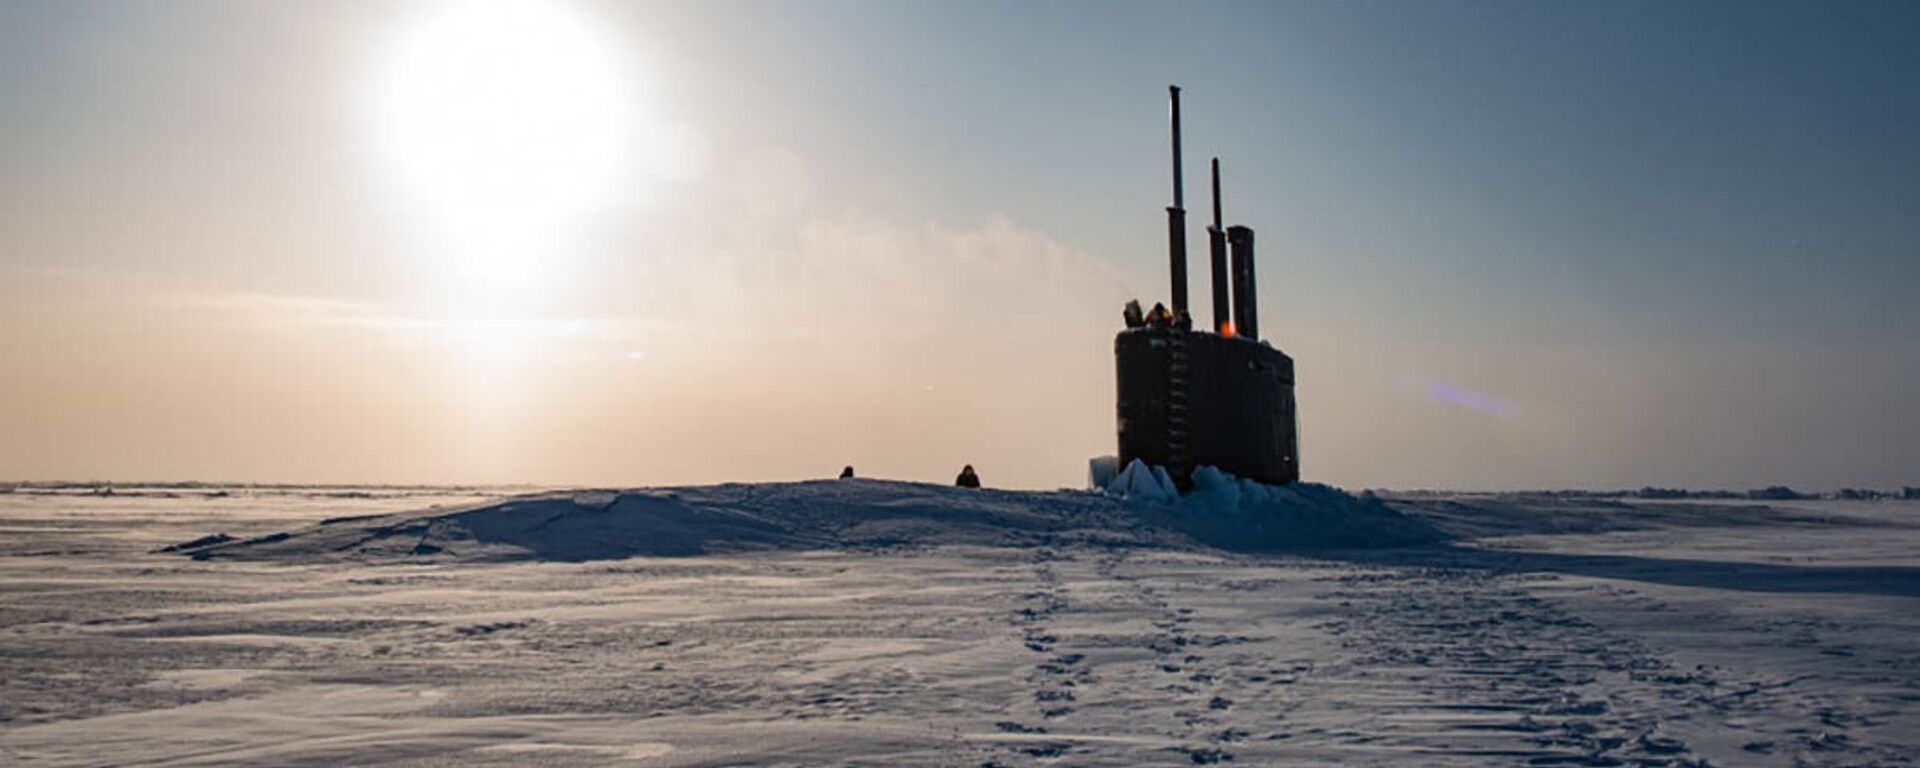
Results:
<point x="1218" y="397"/>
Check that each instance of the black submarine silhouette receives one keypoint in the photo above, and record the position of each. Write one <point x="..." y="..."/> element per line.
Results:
<point x="1219" y="397"/>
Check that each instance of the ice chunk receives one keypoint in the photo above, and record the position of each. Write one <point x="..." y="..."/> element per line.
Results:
<point x="1165" y="481"/>
<point x="1101" y="470"/>
<point x="1214" y="490"/>
<point x="1141" y="482"/>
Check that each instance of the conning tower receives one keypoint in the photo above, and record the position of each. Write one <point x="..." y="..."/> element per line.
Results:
<point x="1217" y="397"/>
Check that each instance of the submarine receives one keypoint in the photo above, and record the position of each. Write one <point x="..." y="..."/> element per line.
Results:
<point x="1217" y="396"/>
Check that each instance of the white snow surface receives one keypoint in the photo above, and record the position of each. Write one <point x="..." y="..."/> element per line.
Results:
<point x="871" y="623"/>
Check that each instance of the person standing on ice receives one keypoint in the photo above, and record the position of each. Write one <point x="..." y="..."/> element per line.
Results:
<point x="967" y="478"/>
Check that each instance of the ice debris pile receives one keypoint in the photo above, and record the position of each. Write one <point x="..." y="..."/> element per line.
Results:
<point x="1237" y="513"/>
<point x="1140" y="481"/>
<point x="1212" y="488"/>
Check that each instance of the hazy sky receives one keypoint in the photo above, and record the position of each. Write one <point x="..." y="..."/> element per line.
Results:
<point x="1510" y="244"/>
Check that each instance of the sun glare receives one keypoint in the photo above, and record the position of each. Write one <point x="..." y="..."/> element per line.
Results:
<point x="508" y="128"/>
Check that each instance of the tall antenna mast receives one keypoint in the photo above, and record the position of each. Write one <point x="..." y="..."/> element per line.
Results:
<point x="1217" y="251"/>
<point x="1173" y="96"/>
<point x="1177" y="221"/>
<point x="1216" y="193"/>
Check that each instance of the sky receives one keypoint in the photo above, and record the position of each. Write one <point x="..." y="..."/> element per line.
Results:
<point x="1509" y="244"/>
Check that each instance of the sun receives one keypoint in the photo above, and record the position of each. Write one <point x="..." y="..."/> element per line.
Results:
<point x="504" y="128"/>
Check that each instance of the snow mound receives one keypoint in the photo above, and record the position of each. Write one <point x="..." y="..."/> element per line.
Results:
<point x="839" y="514"/>
<point x="667" y="522"/>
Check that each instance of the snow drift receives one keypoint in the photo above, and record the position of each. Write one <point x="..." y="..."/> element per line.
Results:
<point x="840" y="514"/>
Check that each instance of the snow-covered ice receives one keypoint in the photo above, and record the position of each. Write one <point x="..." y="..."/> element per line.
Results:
<point x="875" y="623"/>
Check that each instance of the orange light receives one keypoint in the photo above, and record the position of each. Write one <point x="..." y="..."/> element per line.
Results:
<point x="1226" y="329"/>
